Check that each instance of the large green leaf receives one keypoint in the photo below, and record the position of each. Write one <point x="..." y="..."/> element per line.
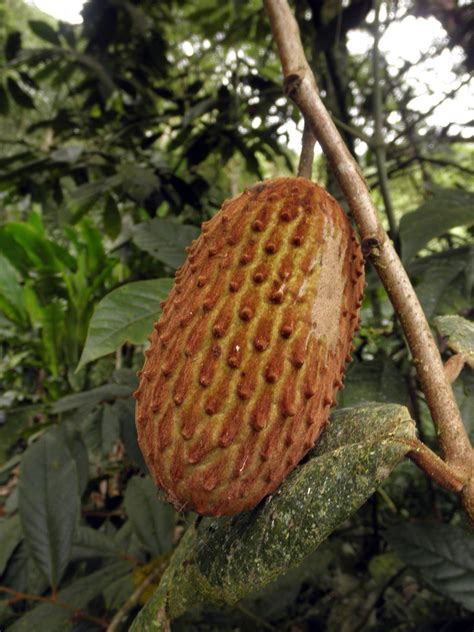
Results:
<point x="446" y="209"/>
<point x="49" y="617"/>
<point x="165" y="240"/>
<point x="127" y="314"/>
<point x="220" y="561"/>
<point x="49" y="504"/>
<point x="443" y="554"/>
<point x="153" y="521"/>
<point x="460" y="334"/>
<point x="10" y="536"/>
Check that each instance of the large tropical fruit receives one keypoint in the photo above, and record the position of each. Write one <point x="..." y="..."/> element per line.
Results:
<point x="249" y="352"/>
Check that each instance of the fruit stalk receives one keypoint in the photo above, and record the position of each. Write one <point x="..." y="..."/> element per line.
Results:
<point x="300" y="85"/>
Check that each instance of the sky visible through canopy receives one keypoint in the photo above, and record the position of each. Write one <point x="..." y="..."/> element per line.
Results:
<point x="403" y="40"/>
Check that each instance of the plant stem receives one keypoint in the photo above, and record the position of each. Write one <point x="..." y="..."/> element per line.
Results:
<point x="76" y="612"/>
<point x="380" y="153"/>
<point x="305" y="166"/>
<point x="300" y="85"/>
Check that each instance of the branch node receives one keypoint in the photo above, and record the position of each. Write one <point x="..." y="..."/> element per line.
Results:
<point x="370" y="246"/>
<point x="291" y="84"/>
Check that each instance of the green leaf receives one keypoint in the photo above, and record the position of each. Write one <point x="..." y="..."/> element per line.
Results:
<point x="11" y="294"/>
<point x="74" y="442"/>
<point x="13" y="45"/>
<point x="377" y="380"/>
<point x="101" y="429"/>
<point x="443" y="554"/>
<point x="118" y="591"/>
<point x="138" y="182"/>
<point x="22" y="242"/>
<point x="53" y="324"/>
<point x="165" y="240"/>
<point x="89" y="399"/>
<point x="111" y="218"/>
<point x="126" y="411"/>
<point x="53" y="619"/>
<point x="19" y="95"/>
<point x="110" y="427"/>
<point x="44" y="31"/>
<point x="22" y="574"/>
<point x="220" y="561"/>
<point x="10" y="537"/>
<point x="460" y="334"/>
<point x="127" y="314"/>
<point x="49" y="504"/>
<point x="463" y="389"/>
<point x="92" y="543"/>
<point x="153" y="521"/>
<point x="447" y="209"/>
<point x="437" y="276"/>
<point x="4" y="102"/>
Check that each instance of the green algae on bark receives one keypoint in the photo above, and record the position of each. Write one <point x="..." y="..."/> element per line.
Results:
<point x="221" y="560"/>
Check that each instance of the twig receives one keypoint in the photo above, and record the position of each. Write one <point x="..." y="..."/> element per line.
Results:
<point x="305" y="166"/>
<point x="354" y="131"/>
<point x="76" y="612"/>
<point x="380" y="153"/>
<point x="444" y="162"/>
<point x="300" y="85"/>
<point x="453" y="367"/>
<point x="134" y="598"/>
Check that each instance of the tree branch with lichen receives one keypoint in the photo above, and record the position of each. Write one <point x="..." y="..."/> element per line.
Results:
<point x="300" y="85"/>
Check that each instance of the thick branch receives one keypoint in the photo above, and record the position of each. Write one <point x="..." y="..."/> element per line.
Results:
<point x="300" y="85"/>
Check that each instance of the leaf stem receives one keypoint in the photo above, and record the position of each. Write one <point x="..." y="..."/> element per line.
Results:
<point x="300" y="85"/>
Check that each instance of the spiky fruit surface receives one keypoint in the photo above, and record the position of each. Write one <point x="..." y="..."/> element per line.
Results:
<point x="250" y="349"/>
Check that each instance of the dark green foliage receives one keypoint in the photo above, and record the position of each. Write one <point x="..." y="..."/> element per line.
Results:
<point x="118" y="138"/>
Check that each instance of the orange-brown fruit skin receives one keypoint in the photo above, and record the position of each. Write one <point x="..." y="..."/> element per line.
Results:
<point x="249" y="352"/>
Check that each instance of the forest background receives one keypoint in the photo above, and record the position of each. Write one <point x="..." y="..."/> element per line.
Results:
<point x="118" y="137"/>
